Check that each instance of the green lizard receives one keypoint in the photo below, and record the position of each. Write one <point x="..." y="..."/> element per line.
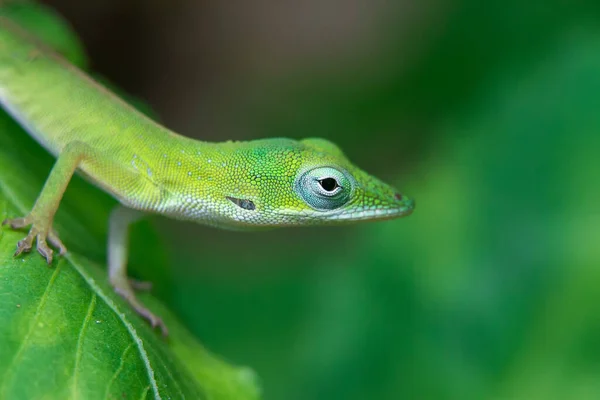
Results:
<point x="150" y="169"/>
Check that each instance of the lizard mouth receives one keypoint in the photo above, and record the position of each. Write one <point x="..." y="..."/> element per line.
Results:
<point x="375" y="214"/>
<point x="354" y="214"/>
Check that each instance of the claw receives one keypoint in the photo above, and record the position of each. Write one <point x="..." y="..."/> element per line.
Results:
<point x="36" y="233"/>
<point x="129" y="296"/>
<point x="44" y="250"/>
<point x="55" y="241"/>
<point x="156" y="322"/>
<point x="24" y="245"/>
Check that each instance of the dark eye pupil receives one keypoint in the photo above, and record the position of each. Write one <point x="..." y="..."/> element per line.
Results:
<point x="328" y="184"/>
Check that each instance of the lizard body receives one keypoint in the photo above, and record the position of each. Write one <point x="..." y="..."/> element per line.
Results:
<point x="150" y="169"/>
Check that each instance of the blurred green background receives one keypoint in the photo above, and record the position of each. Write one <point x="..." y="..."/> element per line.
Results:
<point x="488" y="113"/>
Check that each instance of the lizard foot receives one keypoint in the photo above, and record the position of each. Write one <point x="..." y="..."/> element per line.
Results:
<point x="126" y="292"/>
<point x="40" y="236"/>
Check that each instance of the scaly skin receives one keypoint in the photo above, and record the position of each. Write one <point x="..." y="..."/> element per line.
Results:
<point x="148" y="168"/>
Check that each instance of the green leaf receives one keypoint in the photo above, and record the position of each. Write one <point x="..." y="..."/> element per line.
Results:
<point x="64" y="333"/>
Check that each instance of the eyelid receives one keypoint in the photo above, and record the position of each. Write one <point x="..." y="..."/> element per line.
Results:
<point x="332" y="193"/>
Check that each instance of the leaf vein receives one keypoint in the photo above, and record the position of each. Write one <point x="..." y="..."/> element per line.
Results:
<point x="79" y="352"/>
<point x="90" y="281"/>
<point x="145" y="393"/>
<point x="167" y="369"/>
<point x="133" y="333"/>
<point x="118" y="370"/>
<point x="10" y="370"/>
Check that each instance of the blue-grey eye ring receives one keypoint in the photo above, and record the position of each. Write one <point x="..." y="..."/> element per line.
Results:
<point x="325" y="188"/>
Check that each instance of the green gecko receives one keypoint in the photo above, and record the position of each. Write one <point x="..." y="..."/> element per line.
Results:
<point x="151" y="170"/>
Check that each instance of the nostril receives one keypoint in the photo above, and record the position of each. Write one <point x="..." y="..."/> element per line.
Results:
<point x="398" y="196"/>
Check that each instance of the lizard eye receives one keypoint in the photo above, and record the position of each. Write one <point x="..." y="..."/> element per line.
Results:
<point x="329" y="184"/>
<point x="324" y="188"/>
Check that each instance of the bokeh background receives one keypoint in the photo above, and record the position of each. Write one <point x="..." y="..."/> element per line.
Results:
<point x="488" y="113"/>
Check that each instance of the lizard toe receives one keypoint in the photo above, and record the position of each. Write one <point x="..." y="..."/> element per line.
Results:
<point x="43" y="249"/>
<point x="17" y="223"/>
<point x="55" y="241"/>
<point x="36" y="234"/>
<point x="126" y="292"/>
<point x="24" y="245"/>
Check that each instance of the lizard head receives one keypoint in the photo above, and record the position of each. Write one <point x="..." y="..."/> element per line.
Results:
<point x="335" y="190"/>
<point x="311" y="182"/>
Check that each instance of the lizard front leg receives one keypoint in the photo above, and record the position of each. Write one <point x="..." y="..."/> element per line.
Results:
<point x="42" y="214"/>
